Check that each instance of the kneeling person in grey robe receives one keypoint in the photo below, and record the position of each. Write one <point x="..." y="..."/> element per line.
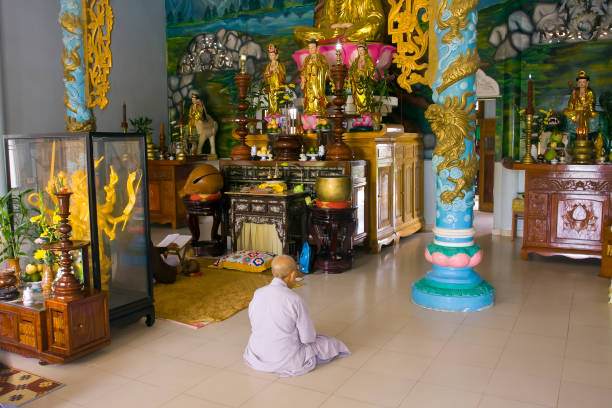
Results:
<point x="283" y="338"/>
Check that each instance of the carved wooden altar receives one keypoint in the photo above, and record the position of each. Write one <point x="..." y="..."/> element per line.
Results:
<point x="565" y="208"/>
<point x="287" y="212"/>
<point x="239" y="173"/>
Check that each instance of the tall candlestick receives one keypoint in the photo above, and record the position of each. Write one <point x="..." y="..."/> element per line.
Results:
<point x="529" y="110"/>
<point x="162" y="140"/>
<point x="181" y="113"/>
<point x="124" y="124"/>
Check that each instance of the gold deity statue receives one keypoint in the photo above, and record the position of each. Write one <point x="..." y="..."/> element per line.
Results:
<point x="344" y="20"/>
<point x="361" y="71"/>
<point x="274" y="79"/>
<point x="315" y="71"/>
<point x="581" y="105"/>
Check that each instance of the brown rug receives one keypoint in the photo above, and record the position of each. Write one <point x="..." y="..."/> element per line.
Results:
<point x="18" y="387"/>
<point x="212" y="297"/>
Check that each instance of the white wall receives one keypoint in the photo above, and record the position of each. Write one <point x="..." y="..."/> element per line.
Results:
<point x="506" y="184"/>
<point x="31" y="69"/>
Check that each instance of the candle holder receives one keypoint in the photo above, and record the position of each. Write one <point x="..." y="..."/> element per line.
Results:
<point x="339" y="150"/>
<point x="66" y="287"/>
<point x="242" y="151"/>
<point x="162" y="142"/>
<point x="528" y="158"/>
<point x="124" y="124"/>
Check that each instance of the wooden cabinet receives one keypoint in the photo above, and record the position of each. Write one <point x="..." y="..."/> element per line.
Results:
<point x="408" y="151"/>
<point x="56" y="331"/>
<point x="166" y="179"/>
<point x="395" y="179"/>
<point x="565" y="208"/>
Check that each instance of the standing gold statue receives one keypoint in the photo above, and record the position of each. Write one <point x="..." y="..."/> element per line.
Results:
<point x="312" y="80"/>
<point x="361" y="71"/>
<point x="202" y="124"/>
<point x="274" y="78"/>
<point x="345" y="20"/>
<point x="581" y="105"/>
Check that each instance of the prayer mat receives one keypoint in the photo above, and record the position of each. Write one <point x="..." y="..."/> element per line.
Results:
<point x="17" y="387"/>
<point x="212" y="297"/>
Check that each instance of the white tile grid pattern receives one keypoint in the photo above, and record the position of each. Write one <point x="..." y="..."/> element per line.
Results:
<point x="547" y="342"/>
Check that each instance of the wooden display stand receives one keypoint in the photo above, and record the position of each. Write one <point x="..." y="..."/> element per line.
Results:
<point x="72" y="323"/>
<point x="195" y="210"/>
<point x="565" y="208"/>
<point x="166" y="178"/>
<point x="331" y="231"/>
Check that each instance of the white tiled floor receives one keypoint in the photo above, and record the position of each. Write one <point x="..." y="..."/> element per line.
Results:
<point x="547" y="342"/>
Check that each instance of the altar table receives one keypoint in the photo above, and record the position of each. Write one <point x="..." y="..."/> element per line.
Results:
<point x="566" y="206"/>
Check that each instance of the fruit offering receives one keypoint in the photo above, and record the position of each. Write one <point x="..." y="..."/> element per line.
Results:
<point x="33" y="272"/>
<point x="323" y="123"/>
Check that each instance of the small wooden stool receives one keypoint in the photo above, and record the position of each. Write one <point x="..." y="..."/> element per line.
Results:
<point x="194" y="210"/>
<point x="332" y="233"/>
<point x="518" y="210"/>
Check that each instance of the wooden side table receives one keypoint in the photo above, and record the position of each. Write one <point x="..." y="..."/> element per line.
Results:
<point x="331" y="231"/>
<point x="196" y="209"/>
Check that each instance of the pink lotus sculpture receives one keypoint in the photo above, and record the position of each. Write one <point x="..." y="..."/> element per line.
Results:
<point x="382" y="54"/>
<point x="455" y="261"/>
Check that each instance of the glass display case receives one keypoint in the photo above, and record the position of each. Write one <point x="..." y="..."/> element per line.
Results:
<point x="107" y="174"/>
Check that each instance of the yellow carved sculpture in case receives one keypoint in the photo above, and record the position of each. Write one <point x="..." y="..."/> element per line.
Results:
<point x="79" y="208"/>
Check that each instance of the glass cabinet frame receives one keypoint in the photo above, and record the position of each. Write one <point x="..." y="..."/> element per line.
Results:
<point x="135" y="298"/>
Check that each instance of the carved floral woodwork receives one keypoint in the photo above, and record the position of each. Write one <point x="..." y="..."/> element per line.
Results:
<point x="579" y="219"/>
<point x="550" y="184"/>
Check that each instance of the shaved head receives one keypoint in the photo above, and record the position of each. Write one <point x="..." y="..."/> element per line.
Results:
<point x="282" y="266"/>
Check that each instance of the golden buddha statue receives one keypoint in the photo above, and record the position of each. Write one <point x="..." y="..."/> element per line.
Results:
<point x="315" y="71"/>
<point x="344" y="20"/>
<point x="274" y="79"/>
<point x="581" y="105"/>
<point x="360" y="72"/>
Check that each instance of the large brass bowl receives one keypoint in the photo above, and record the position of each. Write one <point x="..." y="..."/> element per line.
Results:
<point x="333" y="188"/>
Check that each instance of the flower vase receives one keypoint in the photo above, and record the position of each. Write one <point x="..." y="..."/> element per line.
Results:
<point x="14" y="264"/>
<point x="47" y="279"/>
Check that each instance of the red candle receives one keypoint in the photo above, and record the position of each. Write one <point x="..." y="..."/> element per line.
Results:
<point x="124" y="117"/>
<point x="529" y="110"/>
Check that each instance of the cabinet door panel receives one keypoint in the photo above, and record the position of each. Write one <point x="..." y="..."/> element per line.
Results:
<point x="579" y="218"/>
<point x="8" y="325"/>
<point x="399" y="193"/>
<point x="154" y="196"/>
<point x="87" y="324"/>
<point x="385" y="195"/>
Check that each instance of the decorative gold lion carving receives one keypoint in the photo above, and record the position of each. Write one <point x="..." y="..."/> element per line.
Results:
<point x="452" y="124"/>
<point x="458" y="20"/>
<point x="463" y="67"/>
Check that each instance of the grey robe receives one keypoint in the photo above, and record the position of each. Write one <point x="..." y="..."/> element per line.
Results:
<point x="283" y="338"/>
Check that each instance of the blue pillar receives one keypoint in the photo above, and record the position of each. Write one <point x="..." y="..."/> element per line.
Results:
<point x="78" y="115"/>
<point x="452" y="284"/>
